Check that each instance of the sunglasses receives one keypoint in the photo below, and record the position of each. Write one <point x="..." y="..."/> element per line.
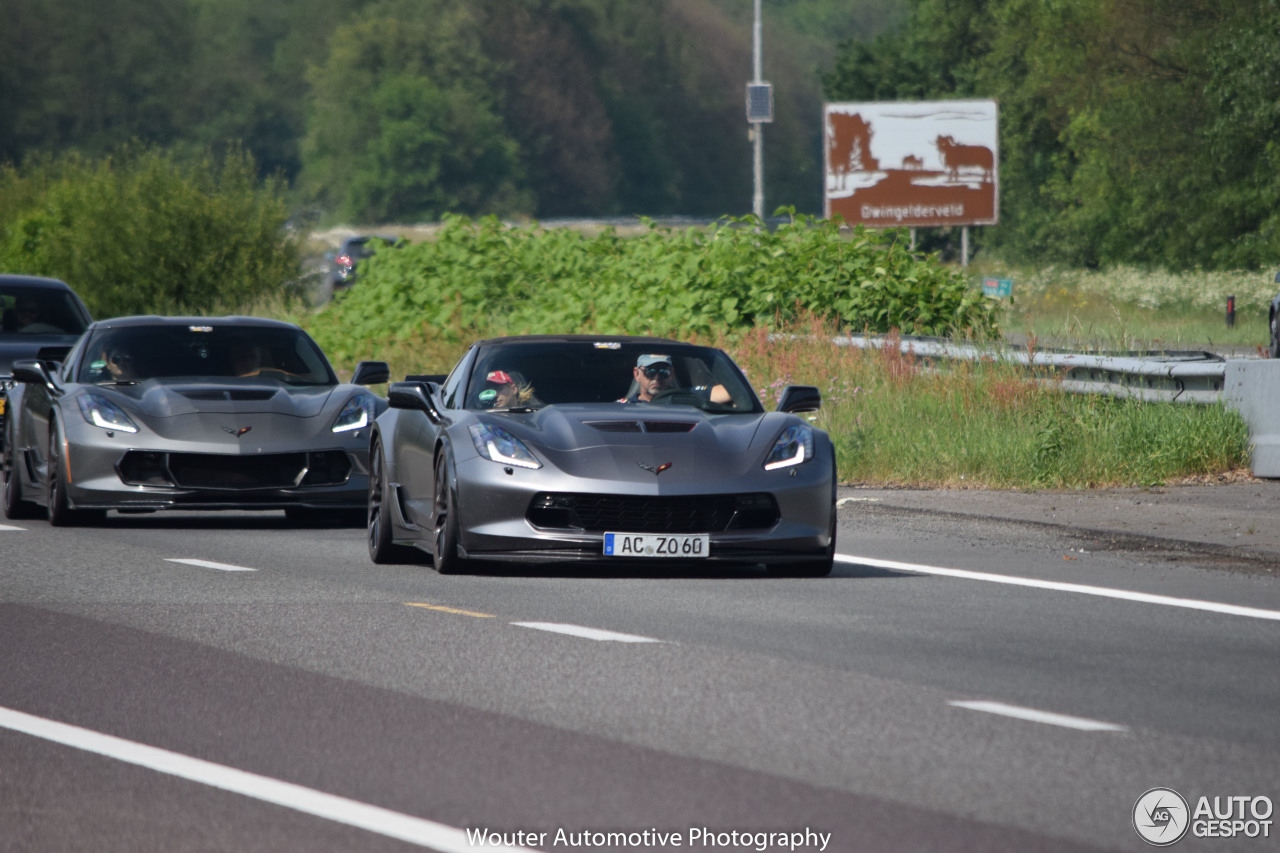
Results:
<point x="655" y="372"/>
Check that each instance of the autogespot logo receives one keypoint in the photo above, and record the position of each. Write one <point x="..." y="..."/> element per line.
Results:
<point x="1161" y="817"/>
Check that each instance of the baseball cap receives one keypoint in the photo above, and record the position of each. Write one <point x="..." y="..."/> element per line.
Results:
<point x="652" y="358"/>
<point x="499" y="377"/>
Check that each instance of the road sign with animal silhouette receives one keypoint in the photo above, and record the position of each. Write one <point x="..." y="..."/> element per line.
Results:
<point x="927" y="163"/>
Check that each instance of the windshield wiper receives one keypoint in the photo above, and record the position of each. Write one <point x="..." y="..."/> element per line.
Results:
<point x="519" y="410"/>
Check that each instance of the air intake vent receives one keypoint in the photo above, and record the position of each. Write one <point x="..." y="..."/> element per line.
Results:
<point x="642" y="426"/>
<point x="653" y="514"/>
<point x="231" y="395"/>
<point x="668" y="426"/>
<point x="615" y="426"/>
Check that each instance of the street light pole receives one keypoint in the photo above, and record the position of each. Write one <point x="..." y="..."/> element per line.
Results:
<point x="757" y="127"/>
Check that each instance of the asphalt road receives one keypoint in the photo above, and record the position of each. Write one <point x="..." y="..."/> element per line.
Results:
<point x="983" y="671"/>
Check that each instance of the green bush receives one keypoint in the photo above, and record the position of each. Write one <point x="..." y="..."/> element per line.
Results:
<point x="489" y="278"/>
<point x="147" y="231"/>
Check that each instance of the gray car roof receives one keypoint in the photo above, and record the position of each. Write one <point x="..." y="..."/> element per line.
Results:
<point x="155" y="320"/>
<point x="33" y="281"/>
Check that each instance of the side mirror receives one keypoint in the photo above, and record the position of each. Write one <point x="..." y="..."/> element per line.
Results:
<point x="371" y="373"/>
<point x="33" y="372"/>
<point x="800" y="398"/>
<point x="415" y="396"/>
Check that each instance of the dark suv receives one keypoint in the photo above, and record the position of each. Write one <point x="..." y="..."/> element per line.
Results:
<point x="36" y="314"/>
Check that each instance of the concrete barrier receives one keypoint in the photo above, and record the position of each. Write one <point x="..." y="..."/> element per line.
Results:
<point x="1252" y="387"/>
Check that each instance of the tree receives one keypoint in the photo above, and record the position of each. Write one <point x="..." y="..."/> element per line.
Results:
<point x="1132" y="131"/>
<point x="147" y="231"/>
<point x="405" y="120"/>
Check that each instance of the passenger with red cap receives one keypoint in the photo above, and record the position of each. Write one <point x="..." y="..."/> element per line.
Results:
<point x="504" y="389"/>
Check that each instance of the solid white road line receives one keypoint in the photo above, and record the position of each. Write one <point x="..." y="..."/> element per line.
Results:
<point x="10" y="527"/>
<point x="1046" y="717"/>
<point x="206" y="564"/>
<point x="589" y="633"/>
<point x="1082" y="589"/>
<point x="425" y="833"/>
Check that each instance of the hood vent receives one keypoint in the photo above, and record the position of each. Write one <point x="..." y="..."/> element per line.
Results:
<point x="668" y="426"/>
<point x="642" y="426"/>
<point x="230" y="395"/>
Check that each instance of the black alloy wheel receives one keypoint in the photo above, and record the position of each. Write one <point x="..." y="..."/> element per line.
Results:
<point x="60" y="512"/>
<point x="445" y="555"/>
<point x="15" y="506"/>
<point x="382" y="550"/>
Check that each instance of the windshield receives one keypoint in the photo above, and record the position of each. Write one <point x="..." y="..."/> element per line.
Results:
<point x="535" y="374"/>
<point x="247" y="353"/>
<point x="39" y="311"/>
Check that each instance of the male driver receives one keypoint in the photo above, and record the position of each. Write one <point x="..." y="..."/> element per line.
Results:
<point x="652" y="374"/>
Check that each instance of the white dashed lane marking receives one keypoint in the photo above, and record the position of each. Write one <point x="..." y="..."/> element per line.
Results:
<point x="1047" y="717"/>
<point x="206" y="564"/>
<point x="588" y="633"/>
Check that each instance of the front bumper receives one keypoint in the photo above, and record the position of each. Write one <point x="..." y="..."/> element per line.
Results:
<point x="498" y="507"/>
<point x="113" y="470"/>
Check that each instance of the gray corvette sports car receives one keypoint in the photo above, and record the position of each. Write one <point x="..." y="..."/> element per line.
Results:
<point x="155" y="413"/>
<point x="610" y="449"/>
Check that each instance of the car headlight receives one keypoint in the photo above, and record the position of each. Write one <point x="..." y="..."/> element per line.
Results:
<point x="496" y="444"/>
<point x="356" y="414"/>
<point x="793" y="447"/>
<point x="101" y="412"/>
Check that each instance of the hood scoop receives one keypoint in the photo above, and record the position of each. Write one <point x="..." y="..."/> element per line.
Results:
<point x="230" y="395"/>
<point x="642" y="426"/>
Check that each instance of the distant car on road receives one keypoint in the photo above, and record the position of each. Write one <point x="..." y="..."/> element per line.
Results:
<point x="198" y="413"/>
<point x="341" y="272"/>
<point x="35" y="314"/>
<point x="607" y="449"/>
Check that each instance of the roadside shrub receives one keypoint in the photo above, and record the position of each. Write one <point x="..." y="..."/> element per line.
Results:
<point x="484" y="277"/>
<point x="146" y="231"/>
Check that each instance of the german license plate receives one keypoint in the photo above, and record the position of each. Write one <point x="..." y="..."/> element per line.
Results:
<point x="680" y="546"/>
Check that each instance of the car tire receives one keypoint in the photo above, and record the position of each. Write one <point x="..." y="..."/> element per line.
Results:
<point x="60" y="512"/>
<point x="1274" y="349"/>
<point x="15" y="507"/>
<point x="444" y="519"/>
<point x="382" y="550"/>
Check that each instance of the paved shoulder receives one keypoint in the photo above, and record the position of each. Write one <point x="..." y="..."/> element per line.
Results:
<point x="1241" y="517"/>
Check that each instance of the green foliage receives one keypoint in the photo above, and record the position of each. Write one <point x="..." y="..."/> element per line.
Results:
<point x="406" y="126"/>
<point x="1132" y="131"/>
<point x="992" y="425"/>
<point x="488" y="278"/>
<point x="147" y="232"/>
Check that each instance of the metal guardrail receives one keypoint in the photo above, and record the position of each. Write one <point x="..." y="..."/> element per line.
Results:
<point x="1172" y="376"/>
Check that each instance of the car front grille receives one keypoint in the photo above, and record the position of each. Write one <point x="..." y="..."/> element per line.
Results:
<point x="653" y="514"/>
<point x="227" y="472"/>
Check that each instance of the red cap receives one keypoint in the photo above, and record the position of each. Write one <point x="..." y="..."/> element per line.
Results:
<point x="498" y="377"/>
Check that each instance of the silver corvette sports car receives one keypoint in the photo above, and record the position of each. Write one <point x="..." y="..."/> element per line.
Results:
<point x="610" y="449"/>
<point x="151" y="413"/>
